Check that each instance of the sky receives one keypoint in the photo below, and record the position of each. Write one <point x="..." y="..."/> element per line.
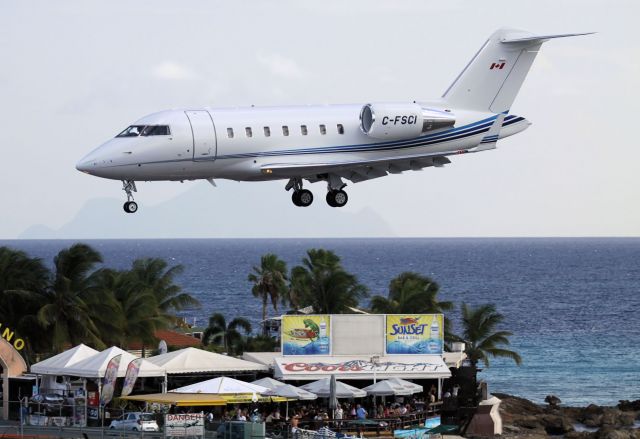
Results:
<point x="75" y="73"/>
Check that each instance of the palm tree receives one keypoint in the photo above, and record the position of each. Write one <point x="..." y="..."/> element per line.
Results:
<point x="322" y="282"/>
<point x="135" y="313"/>
<point x="481" y="338"/>
<point x="22" y="281"/>
<point x="227" y="336"/>
<point x="69" y="309"/>
<point x="269" y="281"/>
<point x="413" y="293"/>
<point x="153" y="274"/>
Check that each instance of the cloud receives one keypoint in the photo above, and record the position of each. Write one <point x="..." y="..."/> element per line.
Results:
<point x="170" y="70"/>
<point x="281" y="66"/>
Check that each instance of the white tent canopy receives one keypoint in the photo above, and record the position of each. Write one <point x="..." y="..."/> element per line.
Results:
<point x="192" y="360"/>
<point x="96" y="365"/>
<point x="386" y="388"/>
<point x="322" y="389"/>
<point x="58" y="364"/>
<point x="222" y="386"/>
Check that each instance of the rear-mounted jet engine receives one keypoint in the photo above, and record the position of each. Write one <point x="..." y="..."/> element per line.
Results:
<point x="402" y="121"/>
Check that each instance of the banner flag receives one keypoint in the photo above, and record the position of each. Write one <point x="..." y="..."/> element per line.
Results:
<point x="109" y="382"/>
<point x="131" y="376"/>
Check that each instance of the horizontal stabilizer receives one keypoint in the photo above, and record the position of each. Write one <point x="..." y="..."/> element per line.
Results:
<point x="516" y="39"/>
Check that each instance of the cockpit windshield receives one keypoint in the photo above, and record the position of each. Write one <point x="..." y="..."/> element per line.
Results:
<point x="145" y="130"/>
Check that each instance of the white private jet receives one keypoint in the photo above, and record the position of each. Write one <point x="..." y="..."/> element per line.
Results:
<point x="327" y="143"/>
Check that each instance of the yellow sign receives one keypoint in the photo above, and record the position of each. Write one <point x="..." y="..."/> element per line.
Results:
<point x="306" y="335"/>
<point x="414" y="334"/>
<point x="8" y="334"/>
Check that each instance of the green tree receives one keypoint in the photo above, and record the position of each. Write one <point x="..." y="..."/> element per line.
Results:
<point x="69" y="307"/>
<point x="413" y="293"/>
<point x="322" y="282"/>
<point x="269" y="281"/>
<point x="480" y="335"/>
<point x="22" y="282"/>
<point x="135" y="314"/>
<point x="227" y="335"/>
<point x="155" y="275"/>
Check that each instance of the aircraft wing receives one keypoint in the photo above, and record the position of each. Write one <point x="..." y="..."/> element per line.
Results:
<point x="356" y="170"/>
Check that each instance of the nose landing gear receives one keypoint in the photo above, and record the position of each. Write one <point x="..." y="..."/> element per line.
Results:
<point x="129" y="186"/>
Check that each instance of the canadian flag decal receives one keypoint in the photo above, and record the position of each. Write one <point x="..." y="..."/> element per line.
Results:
<point x="496" y="65"/>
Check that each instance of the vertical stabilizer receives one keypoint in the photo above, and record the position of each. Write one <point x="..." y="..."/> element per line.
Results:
<point x="493" y="77"/>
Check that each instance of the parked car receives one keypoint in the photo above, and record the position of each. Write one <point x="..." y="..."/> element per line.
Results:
<point x="136" y="421"/>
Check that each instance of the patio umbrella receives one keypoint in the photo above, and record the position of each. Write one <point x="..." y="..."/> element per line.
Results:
<point x="290" y="392"/>
<point x="268" y="382"/>
<point x="333" y="399"/>
<point x="408" y="385"/>
<point x="322" y="388"/>
<point x="222" y="386"/>
<point x="387" y="388"/>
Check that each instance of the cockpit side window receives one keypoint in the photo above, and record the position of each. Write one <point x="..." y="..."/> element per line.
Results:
<point x="132" y="131"/>
<point x="156" y="130"/>
<point x="145" y="130"/>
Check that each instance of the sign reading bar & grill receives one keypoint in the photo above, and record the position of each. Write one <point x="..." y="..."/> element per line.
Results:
<point x="414" y="334"/>
<point x="184" y="425"/>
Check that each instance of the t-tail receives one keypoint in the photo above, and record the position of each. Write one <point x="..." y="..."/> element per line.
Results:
<point x="493" y="77"/>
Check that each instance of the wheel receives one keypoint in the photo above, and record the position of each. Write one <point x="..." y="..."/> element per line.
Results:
<point x="130" y="207"/>
<point x="330" y="201"/>
<point x="111" y="427"/>
<point x="134" y="429"/>
<point x="295" y="197"/>
<point x="305" y="198"/>
<point x="337" y="198"/>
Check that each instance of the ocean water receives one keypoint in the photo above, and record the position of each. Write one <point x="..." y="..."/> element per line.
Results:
<point x="572" y="304"/>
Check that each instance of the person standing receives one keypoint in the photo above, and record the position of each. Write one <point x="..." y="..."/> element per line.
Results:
<point x="361" y="413"/>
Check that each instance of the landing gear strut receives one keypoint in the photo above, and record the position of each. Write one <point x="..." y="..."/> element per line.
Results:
<point x="129" y="186"/>
<point x="300" y="197"/>
<point x="336" y="197"/>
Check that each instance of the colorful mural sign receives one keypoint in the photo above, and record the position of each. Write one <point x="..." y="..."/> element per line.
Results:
<point x="414" y="334"/>
<point x="306" y="335"/>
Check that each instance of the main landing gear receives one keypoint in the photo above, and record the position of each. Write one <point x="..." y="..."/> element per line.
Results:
<point x="129" y="186"/>
<point x="336" y="196"/>
<point x="300" y="197"/>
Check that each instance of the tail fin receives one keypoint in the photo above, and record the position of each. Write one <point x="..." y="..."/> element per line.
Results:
<point x="492" y="79"/>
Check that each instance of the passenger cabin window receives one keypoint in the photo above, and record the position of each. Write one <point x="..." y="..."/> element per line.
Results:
<point x="340" y="129"/>
<point x="323" y="129"/>
<point x="248" y="131"/>
<point x="230" y="133"/>
<point x="156" y="130"/>
<point x="267" y="131"/>
<point x="303" y="130"/>
<point x="285" y="130"/>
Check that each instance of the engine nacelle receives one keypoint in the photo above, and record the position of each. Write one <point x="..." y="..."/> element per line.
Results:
<point x="401" y="121"/>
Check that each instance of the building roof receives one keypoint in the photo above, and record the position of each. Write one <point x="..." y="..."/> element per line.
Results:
<point x="172" y="338"/>
<point x="192" y="360"/>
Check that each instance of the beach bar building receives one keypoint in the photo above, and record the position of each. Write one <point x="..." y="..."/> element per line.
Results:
<point x="364" y="347"/>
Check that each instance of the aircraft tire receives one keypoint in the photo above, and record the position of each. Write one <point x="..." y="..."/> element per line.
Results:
<point x="295" y="197"/>
<point x="305" y="198"/>
<point x="337" y="198"/>
<point x="130" y="207"/>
